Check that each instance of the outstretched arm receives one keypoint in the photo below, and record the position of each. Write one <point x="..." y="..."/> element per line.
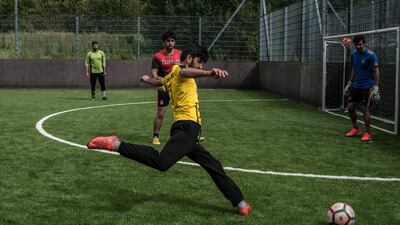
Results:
<point x="377" y="76"/>
<point x="195" y="73"/>
<point x="153" y="81"/>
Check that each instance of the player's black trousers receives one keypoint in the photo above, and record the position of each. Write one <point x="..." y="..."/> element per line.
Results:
<point x="184" y="142"/>
<point x="93" y="78"/>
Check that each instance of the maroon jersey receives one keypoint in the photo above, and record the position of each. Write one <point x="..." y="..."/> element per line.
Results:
<point x="164" y="62"/>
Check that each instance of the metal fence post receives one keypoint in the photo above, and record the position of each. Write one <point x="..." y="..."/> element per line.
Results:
<point x="199" y="30"/>
<point x="303" y="28"/>
<point x="16" y="29"/>
<point x="260" y="32"/>
<point x="373" y="11"/>
<point x="285" y="34"/>
<point x="349" y="16"/>
<point x="138" y="38"/>
<point x="226" y="25"/>
<point x="77" y="37"/>
<point x="264" y="21"/>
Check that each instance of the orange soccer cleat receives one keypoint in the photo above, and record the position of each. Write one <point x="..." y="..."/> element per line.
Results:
<point x="367" y="136"/>
<point x="244" y="211"/>
<point x="353" y="132"/>
<point x="103" y="142"/>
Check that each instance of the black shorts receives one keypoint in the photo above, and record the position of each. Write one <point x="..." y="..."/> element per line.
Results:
<point x="359" y="95"/>
<point x="162" y="98"/>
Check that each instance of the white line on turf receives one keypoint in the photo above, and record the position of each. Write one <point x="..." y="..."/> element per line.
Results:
<point x="362" y="122"/>
<point x="39" y="127"/>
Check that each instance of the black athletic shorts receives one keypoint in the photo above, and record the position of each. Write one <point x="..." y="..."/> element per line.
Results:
<point x="359" y="95"/>
<point x="162" y="98"/>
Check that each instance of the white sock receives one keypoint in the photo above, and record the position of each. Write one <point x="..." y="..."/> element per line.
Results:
<point x="117" y="144"/>
<point x="242" y="204"/>
<point x="104" y="93"/>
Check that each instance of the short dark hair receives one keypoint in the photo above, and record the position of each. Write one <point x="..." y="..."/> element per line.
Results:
<point x="169" y="34"/>
<point x="195" y="51"/>
<point x="94" y="42"/>
<point x="358" y="38"/>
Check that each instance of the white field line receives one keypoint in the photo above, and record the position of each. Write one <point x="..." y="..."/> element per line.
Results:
<point x="39" y="127"/>
<point x="362" y="122"/>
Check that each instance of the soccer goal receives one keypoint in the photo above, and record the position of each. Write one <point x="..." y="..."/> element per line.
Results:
<point x="336" y="72"/>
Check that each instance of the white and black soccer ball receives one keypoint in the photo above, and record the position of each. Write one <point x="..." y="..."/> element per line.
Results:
<point x="341" y="214"/>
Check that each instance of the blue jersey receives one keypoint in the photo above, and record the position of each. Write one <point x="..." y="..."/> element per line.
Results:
<point x="364" y="68"/>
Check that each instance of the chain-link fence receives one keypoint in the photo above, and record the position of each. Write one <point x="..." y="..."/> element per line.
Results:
<point x="69" y="37"/>
<point x="295" y="32"/>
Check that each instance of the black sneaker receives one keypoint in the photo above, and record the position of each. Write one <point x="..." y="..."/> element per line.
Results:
<point x="104" y="98"/>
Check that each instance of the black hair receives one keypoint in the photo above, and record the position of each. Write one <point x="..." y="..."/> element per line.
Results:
<point x="94" y="42"/>
<point x="169" y="34"/>
<point x="358" y="38"/>
<point x="196" y="51"/>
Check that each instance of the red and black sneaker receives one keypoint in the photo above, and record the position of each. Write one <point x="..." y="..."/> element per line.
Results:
<point x="244" y="211"/>
<point x="367" y="136"/>
<point x="103" y="142"/>
<point x="353" y="132"/>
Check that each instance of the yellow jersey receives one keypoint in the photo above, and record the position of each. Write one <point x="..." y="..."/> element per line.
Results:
<point x="183" y="95"/>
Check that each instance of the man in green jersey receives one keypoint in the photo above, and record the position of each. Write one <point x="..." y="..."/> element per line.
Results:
<point x="95" y="63"/>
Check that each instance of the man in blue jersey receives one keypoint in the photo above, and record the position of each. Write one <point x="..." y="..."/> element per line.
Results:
<point x="363" y="85"/>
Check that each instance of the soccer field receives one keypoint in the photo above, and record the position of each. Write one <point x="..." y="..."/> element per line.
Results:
<point x="269" y="142"/>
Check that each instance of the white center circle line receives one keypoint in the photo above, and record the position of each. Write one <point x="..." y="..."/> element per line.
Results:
<point x="40" y="129"/>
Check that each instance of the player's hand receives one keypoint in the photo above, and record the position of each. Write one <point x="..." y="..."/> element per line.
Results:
<point x="347" y="88"/>
<point x="145" y="78"/>
<point x="105" y="73"/>
<point x="87" y="74"/>
<point x="217" y="73"/>
<point x="375" y="94"/>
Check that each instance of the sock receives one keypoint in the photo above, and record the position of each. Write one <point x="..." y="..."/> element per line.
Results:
<point x="116" y="145"/>
<point x="242" y="204"/>
<point x="104" y="93"/>
<point x="155" y="135"/>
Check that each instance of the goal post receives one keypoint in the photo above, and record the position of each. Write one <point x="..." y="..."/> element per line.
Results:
<point x="336" y="72"/>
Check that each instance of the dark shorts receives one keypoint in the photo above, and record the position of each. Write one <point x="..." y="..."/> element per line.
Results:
<point x="162" y="98"/>
<point x="359" y="95"/>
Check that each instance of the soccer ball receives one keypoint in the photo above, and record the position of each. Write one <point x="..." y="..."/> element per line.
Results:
<point x="346" y="41"/>
<point x="341" y="214"/>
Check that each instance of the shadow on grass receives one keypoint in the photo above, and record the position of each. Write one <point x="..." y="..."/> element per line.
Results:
<point x="123" y="200"/>
<point x="78" y="98"/>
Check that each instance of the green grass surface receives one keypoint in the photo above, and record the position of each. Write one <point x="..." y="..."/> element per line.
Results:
<point x="46" y="182"/>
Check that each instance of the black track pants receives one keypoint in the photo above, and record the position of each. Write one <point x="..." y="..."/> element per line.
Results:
<point x="183" y="142"/>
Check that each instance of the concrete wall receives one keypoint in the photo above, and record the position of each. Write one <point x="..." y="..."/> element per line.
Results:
<point x="121" y="74"/>
<point x="300" y="81"/>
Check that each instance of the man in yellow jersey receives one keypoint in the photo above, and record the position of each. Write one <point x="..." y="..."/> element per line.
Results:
<point x="186" y="129"/>
<point x="95" y="63"/>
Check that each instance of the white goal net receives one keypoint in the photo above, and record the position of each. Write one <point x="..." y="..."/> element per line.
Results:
<point x="336" y="72"/>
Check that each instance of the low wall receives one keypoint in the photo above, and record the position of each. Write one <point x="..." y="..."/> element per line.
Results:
<point x="121" y="74"/>
<point x="300" y="81"/>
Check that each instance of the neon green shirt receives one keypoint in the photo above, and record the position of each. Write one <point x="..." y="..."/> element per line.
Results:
<point x="96" y="61"/>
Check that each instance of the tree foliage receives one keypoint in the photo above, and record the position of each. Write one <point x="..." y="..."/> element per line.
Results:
<point x="129" y="8"/>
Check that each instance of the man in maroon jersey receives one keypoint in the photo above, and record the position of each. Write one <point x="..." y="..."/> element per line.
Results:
<point x="163" y="61"/>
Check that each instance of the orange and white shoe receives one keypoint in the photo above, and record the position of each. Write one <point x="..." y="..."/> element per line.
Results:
<point x="353" y="132"/>
<point x="367" y="136"/>
<point x="244" y="211"/>
<point x="103" y="142"/>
